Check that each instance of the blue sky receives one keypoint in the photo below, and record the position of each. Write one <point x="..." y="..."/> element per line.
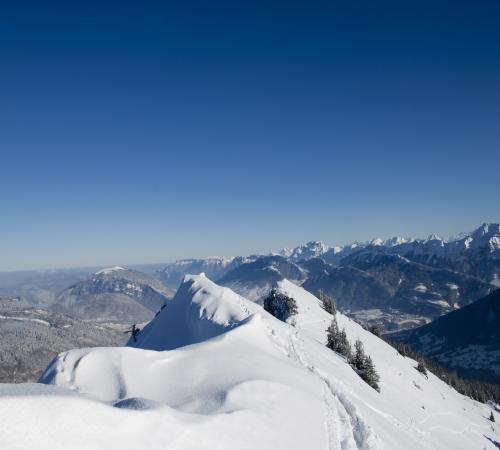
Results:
<point x="147" y="132"/>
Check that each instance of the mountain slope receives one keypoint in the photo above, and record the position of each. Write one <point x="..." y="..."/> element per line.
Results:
<point x="31" y="337"/>
<point x="397" y="287"/>
<point x="114" y="294"/>
<point x="255" y="383"/>
<point x="467" y="340"/>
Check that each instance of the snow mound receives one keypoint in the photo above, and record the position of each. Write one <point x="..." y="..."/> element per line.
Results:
<point x="235" y="377"/>
<point x="199" y="311"/>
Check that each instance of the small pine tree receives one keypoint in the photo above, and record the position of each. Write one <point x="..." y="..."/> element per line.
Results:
<point x="343" y="345"/>
<point x="332" y="334"/>
<point x="370" y="374"/>
<point x="374" y="329"/>
<point x="421" y="368"/>
<point x="492" y="417"/>
<point x="364" y="367"/>
<point x="327" y="302"/>
<point x="359" y="355"/>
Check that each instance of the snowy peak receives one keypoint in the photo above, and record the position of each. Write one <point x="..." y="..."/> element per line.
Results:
<point x="312" y="249"/>
<point x="377" y="242"/>
<point x="434" y="238"/>
<point x="398" y="240"/>
<point x="487" y="236"/>
<point x="486" y="230"/>
<point x="199" y="311"/>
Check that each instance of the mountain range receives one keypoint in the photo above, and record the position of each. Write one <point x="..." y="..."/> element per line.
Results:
<point x="395" y="283"/>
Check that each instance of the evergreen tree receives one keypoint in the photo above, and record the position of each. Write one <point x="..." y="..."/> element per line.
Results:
<point x="364" y="367"/>
<point x="374" y="329"/>
<point x="332" y="335"/>
<point x="343" y="345"/>
<point x="370" y="374"/>
<point x="327" y="302"/>
<point x="359" y="355"/>
<point x="492" y="417"/>
<point x="280" y="305"/>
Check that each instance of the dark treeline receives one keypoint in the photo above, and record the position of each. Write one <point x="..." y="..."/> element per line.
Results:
<point x="477" y="390"/>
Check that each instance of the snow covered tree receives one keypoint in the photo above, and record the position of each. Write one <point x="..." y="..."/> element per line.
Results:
<point x="280" y="305"/>
<point x="332" y="334"/>
<point x="327" y="302"/>
<point x="343" y="345"/>
<point x="374" y="329"/>
<point x="492" y="417"/>
<point x="359" y="355"/>
<point x="364" y="367"/>
<point x="421" y="367"/>
<point x="337" y="340"/>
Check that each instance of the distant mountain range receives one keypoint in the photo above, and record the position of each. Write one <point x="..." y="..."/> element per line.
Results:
<point x="467" y="340"/>
<point x="396" y="283"/>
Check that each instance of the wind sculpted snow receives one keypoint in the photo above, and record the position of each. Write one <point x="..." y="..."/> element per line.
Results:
<point x="215" y="371"/>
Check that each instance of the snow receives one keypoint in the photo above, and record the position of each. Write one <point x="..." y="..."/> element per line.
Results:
<point x="26" y="319"/>
<point x="215" y="371"/>
<point x="109" y="270"/>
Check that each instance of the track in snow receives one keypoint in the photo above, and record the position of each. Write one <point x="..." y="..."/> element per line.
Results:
<point x="340" y="424"/>
<point x="345" y="430"/>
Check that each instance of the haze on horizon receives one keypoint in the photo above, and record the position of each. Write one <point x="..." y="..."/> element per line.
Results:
<point x="147" y="133"/>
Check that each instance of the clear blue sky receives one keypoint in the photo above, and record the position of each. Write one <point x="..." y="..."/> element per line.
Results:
<point x="143" y="132"/>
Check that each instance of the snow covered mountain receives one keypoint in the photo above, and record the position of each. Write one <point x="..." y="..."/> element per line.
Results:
<point x="476" y="253"/>
<point x="312" y="249"/>
<point x="394" y="283"/>
<point x="467" y="340"/>
<point x="114" y="294"/>
<point x="236" y="377"/>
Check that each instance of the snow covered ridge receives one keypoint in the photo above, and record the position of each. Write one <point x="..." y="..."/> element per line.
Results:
<point x="109" y="270"/>
<point x="237" y="378"/>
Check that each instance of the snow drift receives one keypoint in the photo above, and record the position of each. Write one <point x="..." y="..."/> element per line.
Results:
<point x="215" y="371"/>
